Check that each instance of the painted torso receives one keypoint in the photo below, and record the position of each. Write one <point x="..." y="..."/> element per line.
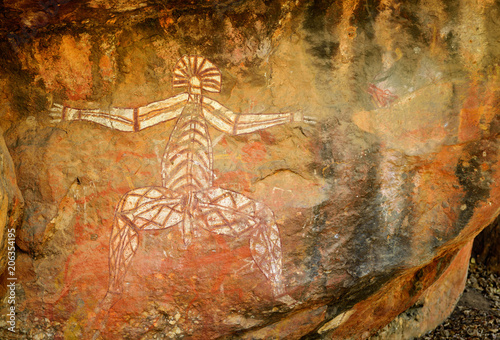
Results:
<point x="187" y="161"/>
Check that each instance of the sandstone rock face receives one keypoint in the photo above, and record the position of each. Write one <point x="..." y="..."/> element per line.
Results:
<point x="376" y="165"/>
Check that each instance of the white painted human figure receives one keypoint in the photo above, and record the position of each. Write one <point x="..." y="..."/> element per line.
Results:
<point x="187" y="198"/>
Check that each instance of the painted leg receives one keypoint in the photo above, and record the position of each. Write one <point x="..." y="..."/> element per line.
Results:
<point x="230" y="213"/>
<point x="122" y="247"/>
<point x="265" y="245"/>
<point x="149" y="208"/>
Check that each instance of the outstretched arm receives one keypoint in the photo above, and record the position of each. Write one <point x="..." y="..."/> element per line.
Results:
<point x="125" y="119"/>
<point x="232" y="123"/>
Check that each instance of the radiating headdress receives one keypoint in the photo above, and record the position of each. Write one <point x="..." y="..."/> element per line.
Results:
<point x="193" y="70"/>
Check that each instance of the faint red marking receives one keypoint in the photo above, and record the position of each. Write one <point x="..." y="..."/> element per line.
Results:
<point x="381" y="97"/>
<point x="254" y="152"/>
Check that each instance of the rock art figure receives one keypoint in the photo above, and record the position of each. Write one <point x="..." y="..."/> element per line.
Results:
<point x="187" y="198"/>
<point x="381" y="97"/>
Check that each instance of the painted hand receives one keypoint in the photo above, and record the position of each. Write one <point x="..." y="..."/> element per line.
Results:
<point x="298" y="116"/>
<point x="55" y="113"/>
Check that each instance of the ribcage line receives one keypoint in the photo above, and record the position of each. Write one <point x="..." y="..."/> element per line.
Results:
<point x="187" y="162"/>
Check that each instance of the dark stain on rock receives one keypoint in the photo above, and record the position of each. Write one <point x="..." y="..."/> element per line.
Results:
<point x="95" y="55"/>
<point x="361" y="290"/>
<point x="28" y="96"/>
<point x="474" y="175"/>
<point x="313" y="259"/>
<point x="324" y="50"/>
<point x="205" y="30"/>
<point x="452" y="8"/>
<point x="495" y="122"/>
<point x="367" y="245"/>
<point x="417" y="285"/>
<point x="398" y="230"/>
<point x="151" y="25"/>
<point x="366" y="242"/>
<point x="364" y="16"/>
<point x="369" y="65"/>
<point x="316" y="23"/>
<point x="425" y="276"/>
<point x="410" y="20"/>
<point x="122" y="50"/>
<point x="324" y="142"/>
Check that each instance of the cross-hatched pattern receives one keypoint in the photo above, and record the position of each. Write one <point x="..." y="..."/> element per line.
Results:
<point x="216" y="210"/>
<point x="231" y="213"/>
<point x="227" y="212"/>
<point x="123" y="245"/>
<point x="265" y="246"/>
<point x="151" y="208"/>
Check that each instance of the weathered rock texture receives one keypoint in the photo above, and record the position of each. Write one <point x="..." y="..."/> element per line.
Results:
<point x="373" y="202"/>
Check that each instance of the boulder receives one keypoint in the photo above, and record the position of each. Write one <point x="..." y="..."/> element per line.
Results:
<point x="356" y="205"/>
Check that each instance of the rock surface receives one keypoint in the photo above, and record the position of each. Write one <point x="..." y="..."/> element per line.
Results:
<point x="477" y="314"/>
<point x="373" y="202"/>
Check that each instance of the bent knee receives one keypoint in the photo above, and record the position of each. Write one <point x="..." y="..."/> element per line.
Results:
<point x="264" y="214"/>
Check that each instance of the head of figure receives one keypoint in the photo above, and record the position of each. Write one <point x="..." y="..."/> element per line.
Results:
<point x="197" y="74"/>
<point x="194" y="86"/>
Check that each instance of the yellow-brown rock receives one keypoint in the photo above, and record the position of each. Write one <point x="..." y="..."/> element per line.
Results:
<point x="327" y="225"/>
